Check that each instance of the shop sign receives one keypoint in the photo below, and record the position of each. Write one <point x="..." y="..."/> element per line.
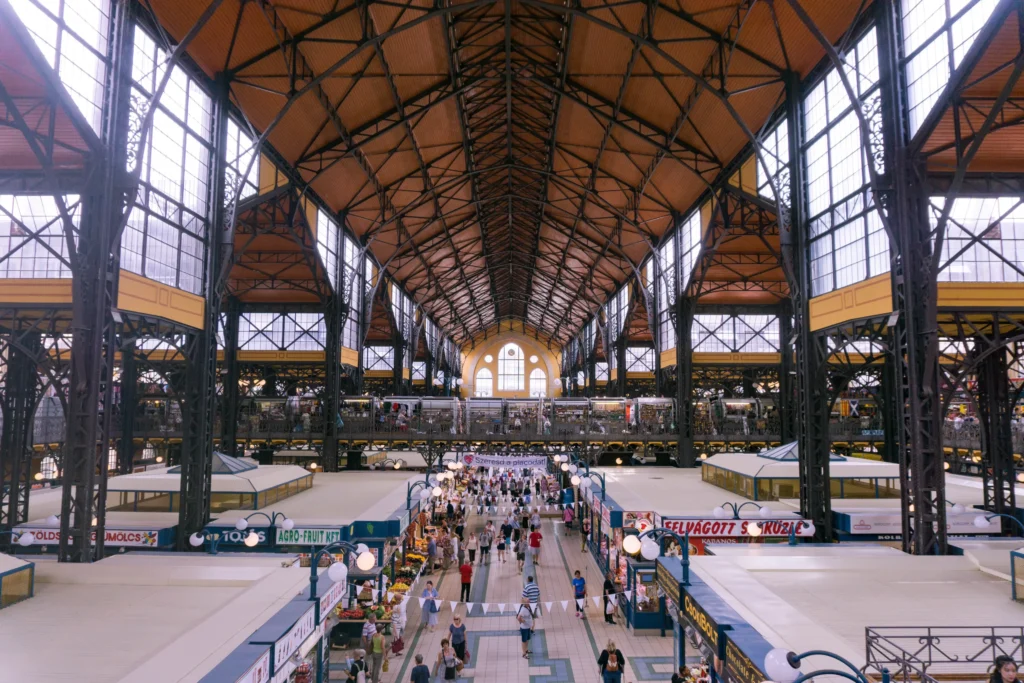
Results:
<point x="331" y="598"/>
<point x="258" y="672"/>
<point x="288" y="644"/>
<point x="304" y="536"/>
<point x="113" y="537"/>
<point x="732" y="528"/>
<point x="668" y="583"/>
<point x="507" y="461"/>
<point x="883" y="523"/>
<point x="702" y="621"/>
<point x="606" y="517"/>
<point x="232" y="535"/>
<point x="641" y="521"/>
<point x="739" y="668"/>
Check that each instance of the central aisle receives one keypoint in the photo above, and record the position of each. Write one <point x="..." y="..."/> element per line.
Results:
<point x="565" y="648"/>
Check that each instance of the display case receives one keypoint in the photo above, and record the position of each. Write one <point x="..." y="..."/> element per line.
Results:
<point x="524" y="416"/>
<point x="357" y="414"/>
<point x="484" y="416"/>
<point x="643" y="608"/>
<point x="569" y="416"/>
<point x="441" y="415"/>
<point x="608" y="416"/>
<point x="655" y="415"/>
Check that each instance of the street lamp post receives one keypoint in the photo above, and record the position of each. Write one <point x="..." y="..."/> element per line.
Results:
<point x="723" y="510"/>
<point x="251" y="539"/>
<point x="338" y="572"/>
<point x="650" y="545"/>
<point x="783" y="666"/>
<point x="984" y="521"/>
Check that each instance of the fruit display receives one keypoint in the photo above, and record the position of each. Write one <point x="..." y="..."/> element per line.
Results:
<point x="415" y="557"/>
<point x="399" y="587"/>
<point x="354" y="613"/>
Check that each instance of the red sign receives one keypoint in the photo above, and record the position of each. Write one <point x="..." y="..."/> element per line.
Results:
<point x="126" y="537"/>
<point x="735" y="528"/>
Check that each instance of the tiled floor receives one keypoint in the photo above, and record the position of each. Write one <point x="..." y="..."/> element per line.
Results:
<point x="565" y="649"/>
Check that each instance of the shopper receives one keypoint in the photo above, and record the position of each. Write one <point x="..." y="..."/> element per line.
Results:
<point x="579" y="591"/>
<point x="430" y="608"/>
<point x="431" y="553"/>
<point x="369" y="628"/>
<point x="377" y="649"/>
<point x="584" y="534"/>
<point x="607" y="654"/>
<point x="501" y="546"/>
<point x="680" y="677"/>
<point x="520" y="553"/>
<point x="1004" y="670"/>
<point x="420" y="672"/>
<point x="609" y="589"/>
<point x="612" y="672"/>
<point x="457" y="631"/>
<point x="447" y="662"/>
<point x="531" y="593"/>
<point x="535" y="539"/>
<point x="466" y="570"/>
<point x="471" y="545"/>
<point x="398" y="619"/>
<point x="567" y="518"/>
<point x="524" y="617"/>
<point x="485" y="544"/>
<point x="535" y="517"/>
<point x="357" y="672"/>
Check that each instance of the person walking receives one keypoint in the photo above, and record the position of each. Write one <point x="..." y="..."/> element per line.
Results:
<point x="377" y="650"/>
<point x="466" y="572"/>
<point x="609" y="589"/>
<point x="486" y="536"/>
<point x="420" y="672"/>
<point x="471" y="545"/>
<point x="501" y="546"/>
<point x="430" y="608"/>
<point x="431" y="553"/>
<point x="613" y="654"/>
<point x="531" y="593"/>
<point x="369" y="628"/>
<point x="457" y="632"/>
<point x="520" y="553"/>
<point x="567" y="518"/>
<point x="579" y="591"/>
<point x="398" y="619"/>
<point x="447" y="662"/>
<point x="357" y="672"/>
<point x="524" y="617"/>
<point x="535" y="539"/>
<point x="584" y="534"/>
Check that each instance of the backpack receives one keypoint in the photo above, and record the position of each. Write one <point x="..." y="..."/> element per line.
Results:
<point x="613" y="662"/>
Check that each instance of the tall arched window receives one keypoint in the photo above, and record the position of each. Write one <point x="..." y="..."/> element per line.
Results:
<point x="538" y="383"/>
<point x="511" y="368"/>
<point x="484" y="382"/>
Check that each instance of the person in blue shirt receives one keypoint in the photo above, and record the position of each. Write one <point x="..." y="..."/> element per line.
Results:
<point x="579" y="590"/>
<point x="420" y="672"/>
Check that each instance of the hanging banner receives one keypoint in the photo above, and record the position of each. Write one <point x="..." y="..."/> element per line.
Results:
<point x="507" y="461"/>
<point x="731" y="528"/>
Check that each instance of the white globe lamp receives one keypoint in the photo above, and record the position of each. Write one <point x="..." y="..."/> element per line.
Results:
<point x="365" y="561"/>
<point x="778" y="667"/>
<point x="631" y="544"/>
<point x="424" y="494"/>
<point x="242" y="524"/>
<point x="52" y="520"/>
<point x="575" y="481"/>
<point x="195" y="540"/>
<point x="765" y="512"/>
<point x="362" y="548"/>
<point x="26" y="539"/>
<point x="288" y="524"/>
<point x="980" y="522"/>
<point x="586" y="483"/>
<point x="720" y="512"/>
<point x="564" y="468"/>
<point x="337" y="572"/>
<point x="437" y="492"/>
<point x="754" y="530"/>
<point x="958" y="509"/>
<point x="251" y="539"/>
<point x="573" y="469"/>
<point x="650" y="550"/>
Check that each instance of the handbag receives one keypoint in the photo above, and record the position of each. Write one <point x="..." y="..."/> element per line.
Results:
<point x="468" y="656"/>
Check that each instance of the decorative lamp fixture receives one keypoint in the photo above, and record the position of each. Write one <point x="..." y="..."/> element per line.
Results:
<point x="38" y="476"/>
<point x="778" y="666"/>
<point x="26" y="539"/>
<point x="337" y="572"/>
<point x="424" y="494"/>
<point x="564" y="467"/>
<point x="195" y="540"/>
<point x="720" y="512"/>
<point x="365" y="561"/>
<point x="252" y="539"/>
<point x="534" y="359"/>
<point x="573" y="469"/>
<point x="631" y="544"/>
<point x="754" y="529"/>
<point x="618" y="461"/>
<point x="586" y="483"/>
<point x="288" y="524"/>
<point x="488" y="358"/>
<point x="575" y="480"/>
<point x="649" y="549"/>
<point x="242" y="524"/>
<point x="52" y="520"/>
<point x="765" y="512"/>
<point x="437" y="492"/>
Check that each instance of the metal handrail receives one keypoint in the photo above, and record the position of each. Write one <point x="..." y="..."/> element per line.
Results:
<point x="926" y="654"/>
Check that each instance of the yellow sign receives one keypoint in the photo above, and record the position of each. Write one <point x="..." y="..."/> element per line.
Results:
<point x="668" y="583"/>
<point x="701" y="621"/>
<point x="739" y="668"/>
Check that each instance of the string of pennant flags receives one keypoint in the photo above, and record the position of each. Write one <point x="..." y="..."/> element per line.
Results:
<point x="486" y="606"/>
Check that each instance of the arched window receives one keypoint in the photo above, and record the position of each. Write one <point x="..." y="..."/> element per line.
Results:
<point x="484" y="382"/>
<point x="538" y="383"/>
<point x="48" y="467"/>
<point x="511" y="368"/>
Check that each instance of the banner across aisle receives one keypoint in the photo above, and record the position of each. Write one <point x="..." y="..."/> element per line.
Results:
<point x="510" y="461"/>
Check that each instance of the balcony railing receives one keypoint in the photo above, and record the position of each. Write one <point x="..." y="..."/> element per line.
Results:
<point x="927" y="654"/>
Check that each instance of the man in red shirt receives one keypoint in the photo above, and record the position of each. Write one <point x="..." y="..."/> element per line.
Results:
<point x="467" y="575"/>
<point x="535" y="539"/>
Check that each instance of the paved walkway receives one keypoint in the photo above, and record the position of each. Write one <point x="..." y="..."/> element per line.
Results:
<point x="565" y="648"/>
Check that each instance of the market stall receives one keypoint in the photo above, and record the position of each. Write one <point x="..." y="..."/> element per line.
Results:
<point x="643" y="609"/>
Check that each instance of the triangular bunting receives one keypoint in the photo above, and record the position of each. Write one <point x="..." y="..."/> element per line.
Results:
<point x="437" y="603"/>
<point x="613" y="598"/>
<point x="597" y="601"/>
<point x="580" y="601"/>
<point x="501" y="607"/>
<point x="391" y="596"/>
<point x="547" y="508"/>
<point x="565" y="604"/>
<point x="486" y="607"/>
<point x="422" y="601"/>
<point x="469" y="607"/>
<point x="628" y="594"/>
<point x="453" y="604"/>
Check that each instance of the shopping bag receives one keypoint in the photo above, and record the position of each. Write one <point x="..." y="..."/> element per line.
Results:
<point x="609" y="608"/>
<point x="384" y="665"/>
<point x="468" y="655"/>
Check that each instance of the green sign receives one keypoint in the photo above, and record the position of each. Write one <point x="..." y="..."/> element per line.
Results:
<point x="298" y="536"/>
